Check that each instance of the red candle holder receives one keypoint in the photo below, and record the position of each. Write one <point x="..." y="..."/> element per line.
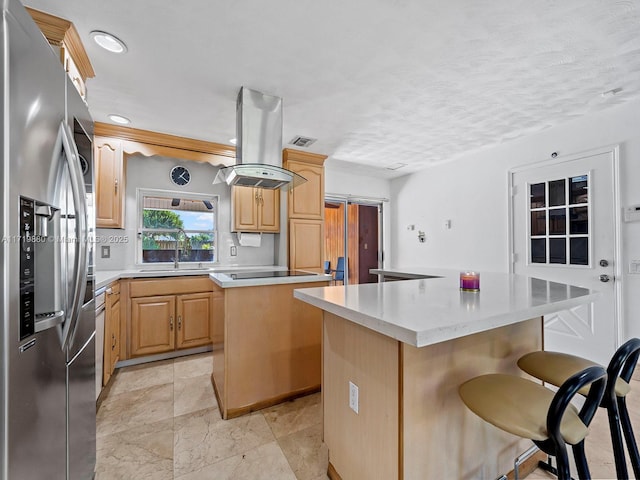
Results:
<point x="470" y="281"/>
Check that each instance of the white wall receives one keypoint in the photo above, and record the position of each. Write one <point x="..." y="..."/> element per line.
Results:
<point x="153" y="172"/>
<point x="472" y="192"/>
<point x="342" y="182"/>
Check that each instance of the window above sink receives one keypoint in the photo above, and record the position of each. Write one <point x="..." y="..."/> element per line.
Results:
<point x="176" y="228"/>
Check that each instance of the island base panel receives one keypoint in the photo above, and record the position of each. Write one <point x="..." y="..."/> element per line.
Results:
<point x="411" y="422"/>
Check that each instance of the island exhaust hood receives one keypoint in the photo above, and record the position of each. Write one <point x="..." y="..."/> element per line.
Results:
<point x="259" y="144"/>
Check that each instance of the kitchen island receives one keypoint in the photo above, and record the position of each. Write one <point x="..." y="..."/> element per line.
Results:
<point x="398" y="351"/>
<point x="270" y="349"/>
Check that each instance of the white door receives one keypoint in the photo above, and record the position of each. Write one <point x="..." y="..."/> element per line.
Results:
<point x="565" y="228"/>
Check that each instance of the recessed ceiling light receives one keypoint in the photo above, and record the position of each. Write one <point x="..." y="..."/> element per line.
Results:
<point x="119" y="119"/>
<point x="233" y="141"/>
<point x="108" y="41"/>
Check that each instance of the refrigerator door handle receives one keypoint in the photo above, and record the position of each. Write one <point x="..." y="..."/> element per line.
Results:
<point x="80" y="273"/>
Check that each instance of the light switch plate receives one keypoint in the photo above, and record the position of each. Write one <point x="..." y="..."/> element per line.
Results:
<point x="634" y="267"/>
<point x="105" y="251"/>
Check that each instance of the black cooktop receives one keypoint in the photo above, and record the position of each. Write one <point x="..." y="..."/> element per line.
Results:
<point x="269" y="274"/>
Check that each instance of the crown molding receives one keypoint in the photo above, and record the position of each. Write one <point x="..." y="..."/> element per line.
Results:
<point x="62" y="33"/>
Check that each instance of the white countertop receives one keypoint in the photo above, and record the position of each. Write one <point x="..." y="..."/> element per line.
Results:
<point x="217" y="274"/>
<point x="430" y="310"/>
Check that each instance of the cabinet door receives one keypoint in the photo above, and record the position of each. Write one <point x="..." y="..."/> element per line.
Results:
<point x="114" y="320"/>
<point x="194" y="320"/>
<point x="111" y="352"/>
<point x="106" y="351"/>
<point x="269" y="210"/>
<point x="245" y="209"/>
<point x="307" y="199"/>
<point x="152" y="325"/>
<point x="109" y="174"/>
<point x="306" y="242"/>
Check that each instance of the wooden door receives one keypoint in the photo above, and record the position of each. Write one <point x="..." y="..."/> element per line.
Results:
<point x="152" y="325"/>
<point x="109" y="169"/>
<point x="245" y="209"/>
<point x="194" y="313"/>
<point x="269" y="210"/>
<point x="307" y="199"/>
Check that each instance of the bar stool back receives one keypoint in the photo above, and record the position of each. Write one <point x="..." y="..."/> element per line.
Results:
<point x="555" y="367"/>
<point x="529" y="410"/>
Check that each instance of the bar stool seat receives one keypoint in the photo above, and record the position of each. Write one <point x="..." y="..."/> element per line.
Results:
<point x="556" y="367"/>
<point x="529" y="410"/>
<point x="523" y="409"/>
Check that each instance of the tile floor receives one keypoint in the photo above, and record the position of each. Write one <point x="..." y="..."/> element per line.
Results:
<point x="160" y="421"/>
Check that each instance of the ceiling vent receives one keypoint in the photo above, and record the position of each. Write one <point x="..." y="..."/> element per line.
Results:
<point x="302" y="142"/>
<point x="395" y="166"/>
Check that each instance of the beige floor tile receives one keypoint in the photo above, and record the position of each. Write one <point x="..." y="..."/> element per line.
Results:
<point x="265" y="462"/>
<point x="203" y="438"/>
<point x="141" y="376"/>
<point x="290" y="417"/>
<point x="306" y="453"/>
<point x="142" y="453"/>
<point x="191" y="394"/>
<point x="193" y="365"/>
<point x="135" y="408"/>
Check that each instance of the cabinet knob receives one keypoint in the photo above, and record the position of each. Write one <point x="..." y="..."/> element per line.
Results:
<point x="179" y="322"/>
<point x="171" y="322"/>
<point x="113" y="341"/>
<point x="116" y="185"/>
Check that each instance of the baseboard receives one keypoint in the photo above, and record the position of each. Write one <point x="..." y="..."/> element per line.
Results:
<point x="332" y="473"/>
<point x="237" y="412"/>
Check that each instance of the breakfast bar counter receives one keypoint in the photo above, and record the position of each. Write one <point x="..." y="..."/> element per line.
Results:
<point x="394" y="354"/>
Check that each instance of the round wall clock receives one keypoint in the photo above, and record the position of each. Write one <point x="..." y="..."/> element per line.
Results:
<point x="180" y="175"/>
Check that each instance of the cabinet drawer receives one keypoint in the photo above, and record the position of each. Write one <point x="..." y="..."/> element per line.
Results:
<point x="169" y="286"/>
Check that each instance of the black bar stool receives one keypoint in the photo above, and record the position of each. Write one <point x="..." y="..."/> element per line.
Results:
<point x="555" y="367"/>
<point x="529" y="410"/>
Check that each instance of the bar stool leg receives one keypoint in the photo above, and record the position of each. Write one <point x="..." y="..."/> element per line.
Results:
<point x="627" y="429"/>
<point x="616" y="439"/>
<point x="581" y="461"/>
<point x="562" y="460"/>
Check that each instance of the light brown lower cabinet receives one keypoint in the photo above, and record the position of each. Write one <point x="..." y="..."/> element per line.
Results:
<point x="164" y="323"/>
<point x="111" y="332"/>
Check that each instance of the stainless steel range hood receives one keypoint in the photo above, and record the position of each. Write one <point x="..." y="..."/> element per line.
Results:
<point x="259" y="144"/>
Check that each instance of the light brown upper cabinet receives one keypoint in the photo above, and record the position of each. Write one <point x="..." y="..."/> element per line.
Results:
<point x="109" y="173"/>
<point x="306" y="211"/>
<point x="255" y="210"/>
<point x="307" y="199"/>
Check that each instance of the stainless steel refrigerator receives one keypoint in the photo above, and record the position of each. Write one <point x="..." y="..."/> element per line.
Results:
<point x="47" y="365"/>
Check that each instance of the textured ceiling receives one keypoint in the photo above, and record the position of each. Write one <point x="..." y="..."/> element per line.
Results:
<point x="378" y="82"/>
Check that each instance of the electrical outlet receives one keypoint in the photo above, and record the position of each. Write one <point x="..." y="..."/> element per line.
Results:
<point x="234" y="250"/>
<point x="105" y="251"/>
<point x="634" y="267"/>
<point x="353" y="397"/>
